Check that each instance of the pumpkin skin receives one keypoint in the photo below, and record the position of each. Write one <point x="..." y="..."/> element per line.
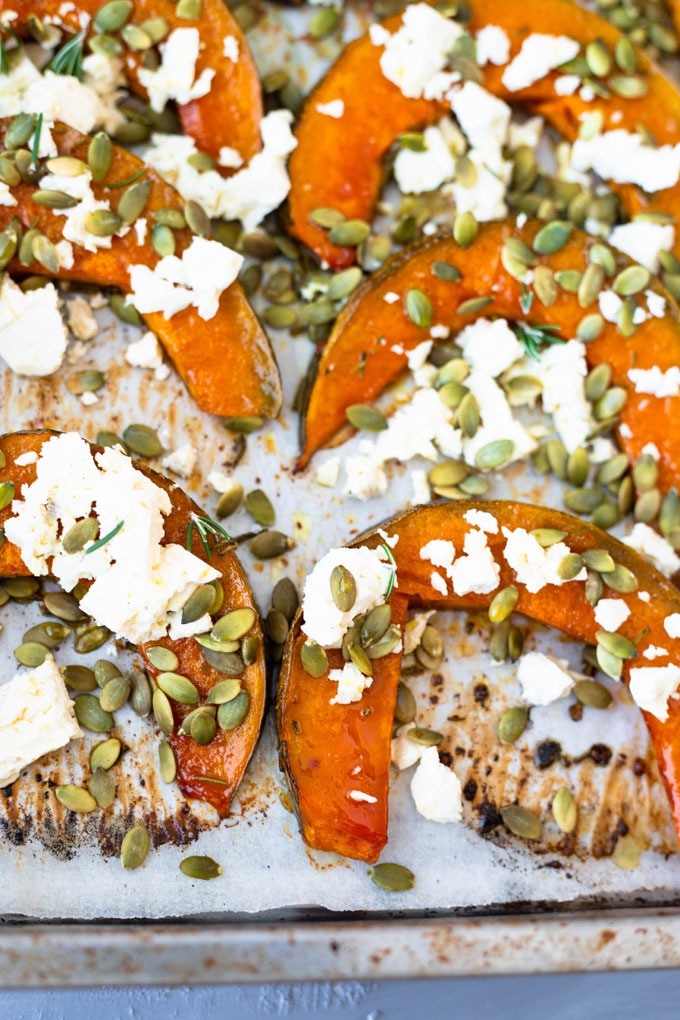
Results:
<point x="367" y="317"/>
<point x="230" y="113"/>
<point x="339" y="163"/>
<point x="321" y="744"/>
<point x="225" y="759"/>
<point x="226" y="362"/>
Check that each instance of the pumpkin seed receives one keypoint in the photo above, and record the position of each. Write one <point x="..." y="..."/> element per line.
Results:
<point x="162" y="240"/>
<point x="494" y="454"/>
<point x="31" y="654"/>
<point x="569" y="280"/>
<point x="645" y="473"/>
<point x="349" y="233"/>
<point x="613" y="469"/>
<point x="473" y="305"/>
<point x="325" y="217"/>
<point x="224" y="691"/>
<point x="545" y="285"/>
<point x="9" y="174"/>
<point x="631" y="280"/>
<point x="21" y="587"/>
<point x="592" y="694"/>
<point x="45" y="253"/>
<point x="391" y="877"/>
<point x="419" y="308"/>
<point x="206" y="641"/>
<point x="285" y="598"/>
<point x="583" y="501"/>
<point x="90" y="638"/>
<point x="469" y="416"/>
<point x="91" y="715"/>
<point x="516" y="256"/>
<point x="610" y="664"/>
<point x="593" y="588"/>
<point x="7" y="490"/>
<point x="79" y="678"/>
<point x="229" y="502"/>
<point x="625" y="56"/>
<point x="79" y="534"/>
<point x="143" y="440"/>
<point x="198" y="604"/>
<point x="102" y="788"/>
<point x="521" y="822"/>
<point x="475" y="485"/>
<point x="343" y="588"/>
<point x="552" y="237"/>
<point x="498" y="645"/>
<point x="314" y="659"/>
<point x="366" y="418"/>
<point x="103" y="222"/>
<point x="591" y="285"/>
<point x="360" y="658"/>
<point x="616" y="644"/>
<point x="231" y="714"/>
<point x="375" y="624"/>
<point x="75" y="798"/>
<point x="342" y="284"/>
<point x="26" y="255"/>
<point x="105" y="754"/>
<point x="234" y="625"/>
<point x="647" y="506"/>
<point x="447" y="473"/>
<point x="162" y="658"/>
<point x="156" y="29"/>
<point x="421" y="735"/>
<point x="465" y="229"/>
<point x="54" y="199"/>
<point x="134" y="848"/>
<point x="162" y="711"/>
<point x="20" y="130"/>
<point x="226" y="663"/>
<point x="203" y="728"/>
<point x="609" y="405"/>
<point x="548" y="536"/>
<point x="133" y="201"/>
<point x="627" y="853"/>
<point x="190" y="10"/>
<point x="405" y="709"/>
<point x="62" y="605"/>
<point x="578" y="466"/>
<point x="249" y="649"/>
<point x="259" y="506"/>
<point x="177" y="687"/>
<point x="124" y="311"/>
<point x="597" y="382"/>
<point x="598" y="58"/>
<point x="628" y="86"/>
<point x="8" y="247"/>
<point x="47" y="634"/>
<point x="324" y="23"/>
<point x="167" y="765"/>
<point x="669" y="514"/>
<point x="105" y="45"/>
<point x="187" y="721"/>
<point x="104" y="671"/>
<point x="599" y="560"/>
<point x="512" y="724"/>
<point x="622" y="580"/>
<point x="451" y="394"/>
<point x="503" y="604"/>
<point x="113" y="15"/>
<point x="446" y="271"/>
<point x="606" y="516"/>
<point x="625" y="319"/>
<point x="202" y="868"/>
<point x="564" y="810"/>
<point x="140" y="695"/>
<point x="570" y="566"/>
<point x="114" y="694"/>
<point x="197" y="219"/>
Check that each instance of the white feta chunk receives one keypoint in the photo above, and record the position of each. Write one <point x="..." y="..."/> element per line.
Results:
<point x="562" y="370"/>
<point x="539" y="55"/>
<point x="351" y="684"/>
<point x="642" y="240"/>
<point x="327" y="474"/>
<point x="33" y="337"/>
<point x="497" y="420"/>
<point x="483" y="520"/>
<point x="656" y="382"/>
<point x="623" y="157"/>
<point x="323" y="621"/>
<point x="181" y="461"/>
<point x="176" y="79"/>
<point x="543" y="678"/>
<point x="475" y="571"/>
<point x="611" y="613"/>
<point x="652" y="686"/>
<point x="436" y="789"/>
<point x="335" y="108"/>
<point x="493" y="46"/>
<point x="652" y="652"/>
<point x="417" y="172"/>
<point x="489" y="345"/>
<point x="483" y="117"/>
<point x="654" y="548"/>
<point x="405" y="752"/>
<point x="146" y="353"/>
<point x="672" y="625"/>
<point x="418" y="50"/>
<point x="534" y="566"/>
<point x="81" y="320"/>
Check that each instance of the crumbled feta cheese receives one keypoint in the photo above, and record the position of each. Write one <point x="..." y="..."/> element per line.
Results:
<point x="562" y="370"/>
<point x="439" y="331"/>
<point x="436" y="789"/>
<point x="181" y="461"/>
<point x="205" y="269"/>
<point x="497" y="420"/>
<point x="543" y="678"/>
<point x="418" y="355"/>
<point x="611" y="613"/>
<point x="610" y="305"/>
<point x="567" y="84"/>
<point x="351" y="684"/>
<point x="230" y="47"/>
<point x="671" y="624"/>
<point x="378" y="34"/>
<point x="366" y="477"/>
<point x="88" y="399"/>
<point x="484" y="118"/>
<point x="421" y="487"/>
<point x="6" y="196"/>
<point x="36" y="717"/>
<point x="33" y="337"/>
<point x="493" y="46"/>
<point x="439" y="583"/>
<point x="440" y="552"/>
<point x="74" y="228"/>
<point x="642" y="240"/>
<point x="176" y="76"/>
<point x="81" y="321"/>
<point x="248" y="195"/>
<point x="525" y="133"/>
<point x="26" y="458"/>
<point x="656" y="304"/>
<point x="655" y="652"/>
<point x="418" y="50"/>
<point x="220" y="482"/>
<point x="534" y="566"/>
<point x="656" y="382"/>
<point x="229" y="158"/>
<point x="486" y="198"/>
<point x="483" y="520"/>
<point x="359" y="795"/>
<point x="654" y="548"/>
<point x="141" y="227"/>
<point x="323" y="621"/>
<point x="414" y="629"/>
<point x="391" y="297"/>
<point x="417" y="172"/>
<point x="539" y="55"/>
<point x="489" y="345"/>
<point x="602" y="449"/>
<point x="652" y="686"/>
<point x="623" y="157"/>
<point x="137" y="582"/>
<point x="328" y="473"/>
<point x="178" y="630"/>
<point x="405" y="752"/>
<point x="335" y="108"/>
<point x="475" y="571"/>
<point x="146" y="353"/>
<point x="644" y="596"/>
<point x="652" y="450"/>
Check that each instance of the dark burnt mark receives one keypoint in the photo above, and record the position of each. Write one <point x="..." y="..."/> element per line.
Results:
<point x="446" y="758"/>
<point x="434" y="699"/>
<point x="576" y="711"/>
<point x="470" y="789"/>
<point x="460" y="752"/>
<point x="437" y="680"/>
<point x="639" y="767"/>
<point x="489" y="817"/>
<point x="601" y="755"/>
<point x="547" y="753"/>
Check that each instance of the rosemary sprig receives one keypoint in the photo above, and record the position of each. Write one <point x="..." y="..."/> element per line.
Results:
<point x="532" y="337"/>
<point x="35" y="149"/>
<point x="69" y="58"/>
<point x="106" y="538"/>
<point x="526" y="300"/>
<point x="206" y="529"/>
<point x="130" y="180"/>
<point x="390" y="584"/>
<point x="4" y="60"/>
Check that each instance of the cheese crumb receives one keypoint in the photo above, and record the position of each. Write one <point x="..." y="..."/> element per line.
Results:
<point x="652" y="686"/>
<point x="611" y="613"/>
<point x="642" y="240"/>
<point x="33" y="337"/>
<point x="351" y="684"/>
<point x="493" y="46"/>
<point x="81" y="320"/>
<point x="176" y="76"/>
<point x="419" y="50"/>
<point x="323" y="621"/>
<point x="418" y="172"/>
<point x="181" y="461"/>
<point x="327" y="474"/>
<point x="489" y="345"/>
<point x="655" y="381"/>
<point x="335" y="108"/>
<point x="436" y="789"/>
<point x="623" y="157"/>
<point x="405" y="752"/>
<point x="543" y="678"/>
<point x="654" y="548"/>
<point x="672" y="625"/>
<point x="534" y="566"/>
<point x="539" y="55"/>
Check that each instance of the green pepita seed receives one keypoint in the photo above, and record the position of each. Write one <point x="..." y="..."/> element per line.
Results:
<point x="552" y="237"/>
<point x="597" y="381"/>
<point x="47" y="634"/>
<point x="8" y="173"/>
<point x="270" y="544"/>
<point x="31" y="654"/>
<point x="103" y="223"/>
<point x="326" y="218"/>
<point x="54" y="199"/>
<point x="375" y="624"/>
<point x="360" y="658"/>
<point x="166" y="762"/>
<point x="314" y="659"/>
<point x="349" y="233"/>
<point x="473" y="305"/>
<point x="366" y="418"/>
<point x="647" y="506"/>
<point x="45" y="253"/>
<point x="594" y="588"/>
<point x="598" y="58"/>
<point x="448" y="473"/>
<point x="114" y="694"/>
<point x="124" y="311"/>
<point x="392" y="877"/>
<point x="494" y="454"/>
<point x="105" y="754"/>
<point x="611" y="665"/>
<point x="631" y="280"/>
<point x="578" y="466"/>
<point x="190" y="10"/>
<point x="234" y="625"/>
<point x="206" y="641"/>
<point x="79" y="678"/>
<point x="564" y="810"/>
<point x="63" y="606"/>
<point x="224" y="691"/>
<point x="405" y="710"/>
<point x="548" y="536"/>
<point x="446" y="271"/>
<point x="285" y="598"/>
<point x="143" y="440"/>
<point x="104" y="671"/>
<point x="465" y="229"/>
<point x="469" y="416"/>
<point x="569" y="280"/>
<point x="599" y="560"/>
<point x="134" y="848"/>
<point x="324" y="23"/>
<point x="616" y="644"/>
<point x="156" y="29"/>
<point x="591" y="285"/>
<point x="342" y="284"/>
<point x="421" y="735"/>
<point x="606" y="516"/>
<point x="622" y="580"/>
<point x="570" y="567"/>
<point x="419" y="308"/>
<point x="202" y="868"/>
<point x="498" y="645"/>
<point x="625" y="319"/>
<point x="20" y="130"/>
<point x="226" y="663"/>
<point x="609" y="405"/>
<point x="75" y="798"/>
<point x="625" y="55"/>
<point x="229" y="502"/>
<point x="386" y="644"/>
<point x="140" y="695"/>
<point x="545" y="285"/>
<point x="503" y="604"/>
<point x="600" y="255"/>
<point x="512" y="724"/>
<point x="343" y="588"/>
<point x="203" y="728"/>
<point x="521" y="822"/>
<point x="628" y="86"/>
<point x="7" y="490"/>
<point x="177" y="687"/>
<point x="102" y="788"/>
<point x="79" y="534"/>
<point x="162" y="658"/>
<point x="592" y="694"/>
<point x="451" y="394"/>
<point x="162" y="711"/>
<point x="259" y="506"/>
<point x="133" y="201"/>
<point x="231" y="714"/>
<point x="583" y="501"/>
<point x="197" y="219"/>
<point x="21" y="587"/>
<point x="113" y="15"/>
<point x="163" y="240"/>
<point x="91" y="715"/>
<point x="645" y="473"/>
<point x="91" y="638"/>
<point x="613" y="469"/>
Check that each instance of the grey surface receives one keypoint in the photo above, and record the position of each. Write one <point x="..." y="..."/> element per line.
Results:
<point x="572" y="997"/>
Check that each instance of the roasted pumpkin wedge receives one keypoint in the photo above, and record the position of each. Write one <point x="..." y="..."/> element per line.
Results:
<point x="350" y="180"/>
<point x="226" y="361"/>
<point x="356" y="365"/>
<point x="210" y="772"/>
<point x="321" y="744"/>
<point x="230" y="113"/>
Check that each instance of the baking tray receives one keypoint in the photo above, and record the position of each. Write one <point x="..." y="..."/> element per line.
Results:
<point x="593" y="928"/>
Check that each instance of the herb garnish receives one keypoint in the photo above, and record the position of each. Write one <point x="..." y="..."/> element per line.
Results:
<point x="390" y="557"/>
<point x="69" y="58"/>
<point x="206" y="527"/>
<point x="35" y="149"/>
<point x="4" y="61"/>
<point x="527" y="299"/>
<point x="532" y="337"/>
<point x="130" y="180"/>
<point x="106" y="538"/>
